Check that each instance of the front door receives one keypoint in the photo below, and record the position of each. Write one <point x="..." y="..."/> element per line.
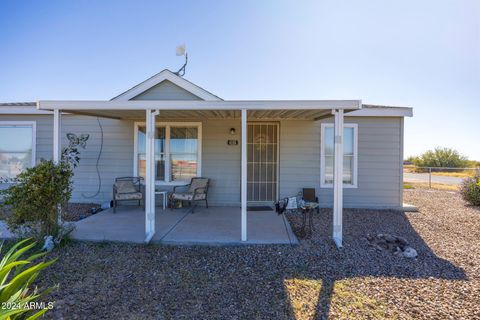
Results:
<point x="262" y="160"/>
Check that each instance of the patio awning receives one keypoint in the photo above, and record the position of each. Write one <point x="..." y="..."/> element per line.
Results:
<point x="276" y="109"/>
<point x="257" y="109"/>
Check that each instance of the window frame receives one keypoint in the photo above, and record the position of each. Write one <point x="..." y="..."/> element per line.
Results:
<point x="166" y="152"/>
<point x="33" y="124"/>
<point x="354" y="183"/>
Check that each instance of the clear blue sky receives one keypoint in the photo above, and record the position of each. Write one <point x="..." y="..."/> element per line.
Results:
<point x="424" y="54"/>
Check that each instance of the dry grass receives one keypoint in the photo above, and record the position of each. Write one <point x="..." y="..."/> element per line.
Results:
<point x="459" y="174"/>
<point x="435" y="186"/>
<point x="447" y="173"/>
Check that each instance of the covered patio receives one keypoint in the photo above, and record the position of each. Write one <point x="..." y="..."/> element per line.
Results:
<point x="212" y="226"/>
<point x="172" y="226"/>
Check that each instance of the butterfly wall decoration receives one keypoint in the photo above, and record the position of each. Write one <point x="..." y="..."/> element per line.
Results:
<point x="80" y="140"/>
<point x="71" y="154"/>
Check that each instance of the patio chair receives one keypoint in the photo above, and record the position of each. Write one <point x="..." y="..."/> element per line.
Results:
<point x="195" y="191"/>
<point x="127" y="189"/>
<point x="308" y="195"/>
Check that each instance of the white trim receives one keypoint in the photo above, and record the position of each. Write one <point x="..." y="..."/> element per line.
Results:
<point x="149" y="176"/>
<point x="337" y="233"/>
<point x="166" y="155"/>
<point x="57" y="142"/>
<point x="33" y="124"/>
<point x="167" y="126"/>
<point x="382" y="112"/>
<point x="354" y="183"/>
<point x="149" y="237"/>
<point x="200" y="105"/>
<point x="400" y="161"/>
<point x="243" y="181"/>
<point x="170" y="76"/>
<point x="34" y="142"/>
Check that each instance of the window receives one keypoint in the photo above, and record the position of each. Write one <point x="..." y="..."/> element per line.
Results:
<point x="17" y="147"/>
<point x="177" y="151"/>
<point x="350" y="137"/>
<point x="159" y="152"/>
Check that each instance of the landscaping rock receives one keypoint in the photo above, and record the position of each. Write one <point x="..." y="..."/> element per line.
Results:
<point x="78" y="211"/>
<point x="390" y="238"/>
<point x="305" y="281"/>
<point x="393" y="244"/>
<point x="409" y="252"/>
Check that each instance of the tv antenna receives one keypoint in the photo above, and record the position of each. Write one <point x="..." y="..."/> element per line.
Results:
<point x="182" y="51"/>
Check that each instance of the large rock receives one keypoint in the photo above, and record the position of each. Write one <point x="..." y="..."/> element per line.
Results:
<point x="402" y="241"/>
<point x="393" y="244"/>
<point x="390" y="238"/>
<point x="409" y="252"/>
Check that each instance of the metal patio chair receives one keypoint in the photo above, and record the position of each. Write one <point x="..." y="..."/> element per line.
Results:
<point x="127" y="189"/>
<point x="195" y="191"/>
<point x="308" y="195"/>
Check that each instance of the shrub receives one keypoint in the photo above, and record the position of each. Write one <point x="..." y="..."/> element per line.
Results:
<point x="441" y="157"/>
<point x="16" y="277"/>
<point x="38" y="198"/>
<point x="470" y="190"/>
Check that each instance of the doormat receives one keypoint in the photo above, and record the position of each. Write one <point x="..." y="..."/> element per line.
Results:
<point x="260" y="208"/>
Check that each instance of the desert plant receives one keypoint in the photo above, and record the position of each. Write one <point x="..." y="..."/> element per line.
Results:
<point x="37" y="199"/>
<point x="470" y="190"/>
<point x="441" y="157"/>
<point x="16" y="278"/>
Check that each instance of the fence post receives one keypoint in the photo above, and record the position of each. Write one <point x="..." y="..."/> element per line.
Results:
<point x="430" y="178"/>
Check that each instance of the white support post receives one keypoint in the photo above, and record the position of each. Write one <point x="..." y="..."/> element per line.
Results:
<point x="57" y="146"/>
<point x="338" y="179"/>
<point x="150" y="176"/>
<point x="57" y="143"/>
<point x="244" y="175"/>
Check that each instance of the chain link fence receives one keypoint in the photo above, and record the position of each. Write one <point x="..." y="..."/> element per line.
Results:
<point x="441" y="175"/>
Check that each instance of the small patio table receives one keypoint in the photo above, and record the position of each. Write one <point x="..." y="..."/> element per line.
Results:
<point x="307" y="209"/>
<point x="164" y="196"/>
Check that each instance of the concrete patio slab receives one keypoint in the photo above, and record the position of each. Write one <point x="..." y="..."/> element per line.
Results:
<point x="126" y="225"/>
<point x="212" y="226"/>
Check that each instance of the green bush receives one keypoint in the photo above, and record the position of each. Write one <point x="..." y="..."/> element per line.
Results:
<point x="441" y="157"/>
<point x="470" y="190"/>
<point x="16" y="277"/>
<point x="38" y="199"/>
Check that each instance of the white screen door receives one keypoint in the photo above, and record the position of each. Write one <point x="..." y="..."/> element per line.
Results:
<point x="262" y="160"/>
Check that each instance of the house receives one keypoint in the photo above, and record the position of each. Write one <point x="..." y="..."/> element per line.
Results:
<point x="254" y="152"/>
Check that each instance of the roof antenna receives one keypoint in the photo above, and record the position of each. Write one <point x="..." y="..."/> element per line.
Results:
<point x="182" y="51"/>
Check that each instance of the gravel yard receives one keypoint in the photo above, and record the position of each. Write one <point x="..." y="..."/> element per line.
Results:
<point x="78" y="211"/>
<point x="309" y="281"/>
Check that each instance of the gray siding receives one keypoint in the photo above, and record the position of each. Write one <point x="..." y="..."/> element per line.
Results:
<point x="379" y="162"/>
<point x="117" y="153"/>
<point x="221" y="162"/>
<point x="44" y="133"/>
<point x="116" y="159"/>
<point x="379" y="158"/>
<point x="166" y="90"/>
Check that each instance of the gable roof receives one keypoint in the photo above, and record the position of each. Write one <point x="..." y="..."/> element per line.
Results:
<point x="166" y="75"/>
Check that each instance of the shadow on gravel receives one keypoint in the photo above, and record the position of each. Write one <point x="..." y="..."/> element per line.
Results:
<point x="359" y="259"/>
<point x="118" y="281"/>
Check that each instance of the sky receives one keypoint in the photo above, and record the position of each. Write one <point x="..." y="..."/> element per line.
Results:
<point x="420" y="54"/>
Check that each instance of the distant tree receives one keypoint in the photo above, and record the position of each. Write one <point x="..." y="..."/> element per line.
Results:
<point x="411" y="159"/>
<point x="441" y="157"/>
<point x="473" y="164"/>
